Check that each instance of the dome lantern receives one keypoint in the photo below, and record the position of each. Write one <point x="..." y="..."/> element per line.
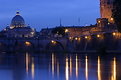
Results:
<point x="17" y="13"/>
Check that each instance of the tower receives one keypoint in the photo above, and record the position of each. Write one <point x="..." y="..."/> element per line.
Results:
<point x="106" y="7"/>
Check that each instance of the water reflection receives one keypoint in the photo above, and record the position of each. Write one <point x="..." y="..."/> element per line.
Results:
<point x="33" y="68"/>
<point x="76" y="66"/>
<point x="53" y="64"/>
<point x="99" y="69"/>
<point x="67" y="69"/>
<point x="70" y="66"/>
<point x="27" y="63"/>
<point x="113" y="77"/>
<point x="58" y="67"/>
<point x="86" y="68"/>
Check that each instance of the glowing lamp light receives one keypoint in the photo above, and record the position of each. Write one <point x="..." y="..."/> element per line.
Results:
<point x="112" y="19"/>
<point x="76" y="38"/>
<point x="11" y="27"/>
<point x="66" y="30"/>
<point x="53" y="42"/>
<point x="32" y="33"/>
<point x="114" y="33"/>
<point x="27" y="43"/>
<point x="70" y="38"/>
<point x="98" y="35"/>
<point x="86" y="37"/>
<point x="98" y="21"/>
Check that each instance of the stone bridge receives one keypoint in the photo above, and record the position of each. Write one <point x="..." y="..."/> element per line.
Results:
<point x="108" y="41"/>
<point x="33" y="44"/>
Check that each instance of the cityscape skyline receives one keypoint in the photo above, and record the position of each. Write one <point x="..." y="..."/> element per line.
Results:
<point x="42" y="14"/>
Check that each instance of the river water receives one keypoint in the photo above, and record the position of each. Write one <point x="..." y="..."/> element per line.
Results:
<point x="59" y="66"/>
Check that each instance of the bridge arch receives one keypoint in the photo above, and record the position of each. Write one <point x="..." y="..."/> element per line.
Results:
<point x="24" y="46"/>
<point x="54" y="46"/>
<point x="3" y="46"/>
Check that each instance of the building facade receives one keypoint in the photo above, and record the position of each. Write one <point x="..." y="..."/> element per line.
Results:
<point x="106" y="7"/>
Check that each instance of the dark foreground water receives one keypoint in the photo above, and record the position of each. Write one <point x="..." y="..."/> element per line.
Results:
<point x="55" y="66"/>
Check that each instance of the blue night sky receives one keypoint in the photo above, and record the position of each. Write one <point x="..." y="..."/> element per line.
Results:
<point x="47" y="13"/>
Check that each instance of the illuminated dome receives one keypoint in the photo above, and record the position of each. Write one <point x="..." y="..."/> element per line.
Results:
<point x="17" y="21"/>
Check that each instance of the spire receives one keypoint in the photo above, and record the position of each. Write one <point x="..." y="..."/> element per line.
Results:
<point x="60" y="22"/>
<point x="17" y="13"/>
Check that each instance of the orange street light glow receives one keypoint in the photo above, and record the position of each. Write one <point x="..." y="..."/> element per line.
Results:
<point x="114" y="33"/>
<point x="27" y="43"/>
<point x="76" y="38"/>
<point x="112" y="19"/>
<point x="98" y="35"/>
<point x="86" y="37"/>
<point x="98" y="21"/>
<point x="53" y="42"/>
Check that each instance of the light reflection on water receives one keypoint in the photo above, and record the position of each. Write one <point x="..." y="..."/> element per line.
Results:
<point x="86" y="67"/>
<point x="76" y="66"/>
<point x="58" y="70"/>
<point x="33" y="68"/>
<point x="67" y="69"/>
<point x="99" y="68"/>
<point x="58" y="67"/>
<point x="53" y="64"/>
<point x="113" y="77"/>
<point x="27" y="63"/>
<point x="71" y="66"/>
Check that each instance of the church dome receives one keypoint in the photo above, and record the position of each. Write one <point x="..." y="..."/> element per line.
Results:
<point x="17" y="21"/>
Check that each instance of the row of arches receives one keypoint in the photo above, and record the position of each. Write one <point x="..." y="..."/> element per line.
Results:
<point x="30" y="46"/>
<point x="108" y="42"/>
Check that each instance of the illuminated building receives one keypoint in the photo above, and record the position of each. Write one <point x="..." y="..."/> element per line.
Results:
<point x="18" y="28"/>
<point x="106" y="7"/>
<point x="101" y="26"/>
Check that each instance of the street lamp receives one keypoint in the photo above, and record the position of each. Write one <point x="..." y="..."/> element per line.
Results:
<point x="114" y="33"/>
<point x="53" y="42"/>
<point x="86" y="37"/>
<point x="98" y="35"/>
<point x="27" y="43"/>
<point x="76" y="38"/>
<point x="112" y="20"/>
<point x="70" y="38"/>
